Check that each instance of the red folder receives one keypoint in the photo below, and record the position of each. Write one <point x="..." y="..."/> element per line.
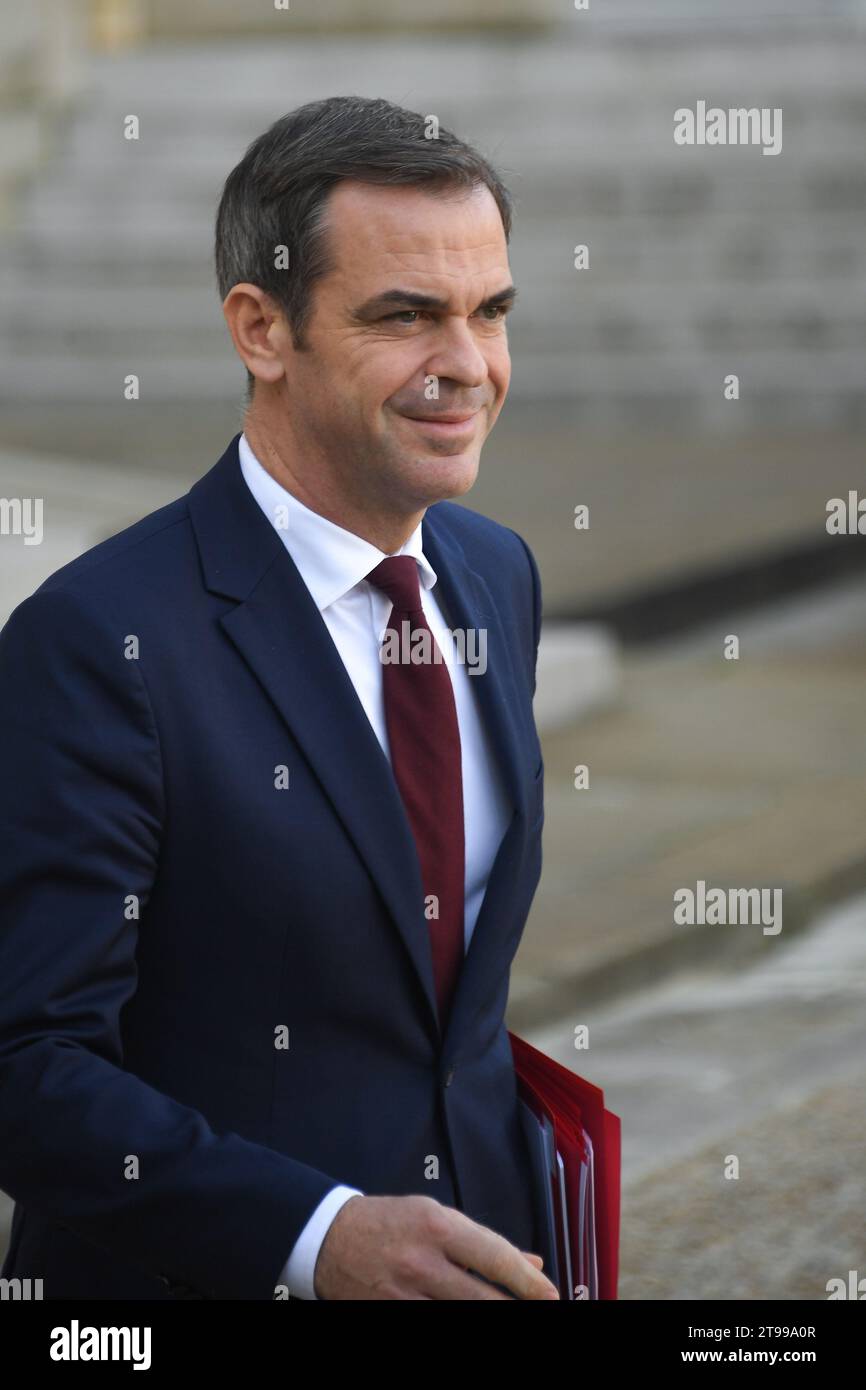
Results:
<point x="584" y="1182"/>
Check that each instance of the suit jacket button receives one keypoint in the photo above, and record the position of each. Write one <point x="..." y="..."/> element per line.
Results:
<point x="450" y="1075"/>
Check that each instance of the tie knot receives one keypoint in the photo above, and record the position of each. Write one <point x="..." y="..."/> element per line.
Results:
<point x="397" y="576"/>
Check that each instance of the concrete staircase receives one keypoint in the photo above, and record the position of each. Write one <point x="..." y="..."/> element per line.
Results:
<point x="703" y="261"/>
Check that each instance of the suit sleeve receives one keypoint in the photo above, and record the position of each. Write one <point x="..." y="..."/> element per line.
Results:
<point x="81" y="816"/>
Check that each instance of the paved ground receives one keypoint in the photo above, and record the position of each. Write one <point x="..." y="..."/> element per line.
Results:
<point x="717" y="1040"/>
<point x="748" y="773"/>
<point x="767" y="1064"/>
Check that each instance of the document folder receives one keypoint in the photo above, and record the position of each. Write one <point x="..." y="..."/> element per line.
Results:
<point x="574" y="1146"/>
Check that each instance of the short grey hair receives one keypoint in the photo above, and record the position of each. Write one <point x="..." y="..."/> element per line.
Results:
<point x="277" y="195"/>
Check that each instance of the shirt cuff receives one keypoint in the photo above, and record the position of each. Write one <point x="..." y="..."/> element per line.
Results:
<point x="297" y="1273"/>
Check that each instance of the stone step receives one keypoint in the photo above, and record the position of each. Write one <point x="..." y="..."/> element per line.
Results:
<point x="160" y="220"/>
<point x="579" y="673"/>
<point x="698" y="256"/>
<point x="562" y="133"/>
<point x="580" y="312"/>
<point x="644" y="248"/>
<point x="559" y="171"/>
<point x="805" y="384"/>
<point x="566" y="66"/>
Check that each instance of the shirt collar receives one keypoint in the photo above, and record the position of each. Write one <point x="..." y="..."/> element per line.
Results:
<point x="330" y="560"/>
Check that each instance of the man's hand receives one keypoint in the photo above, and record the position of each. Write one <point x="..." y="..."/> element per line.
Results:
<point x="416" y="1248"/>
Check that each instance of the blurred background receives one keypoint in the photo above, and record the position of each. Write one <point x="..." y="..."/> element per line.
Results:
<point x="707" y="516"/>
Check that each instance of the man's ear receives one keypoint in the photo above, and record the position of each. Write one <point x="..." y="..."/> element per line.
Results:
<point x="258" y="330"/>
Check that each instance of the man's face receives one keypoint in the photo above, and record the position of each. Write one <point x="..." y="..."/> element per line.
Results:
<point x="376" y="353"/>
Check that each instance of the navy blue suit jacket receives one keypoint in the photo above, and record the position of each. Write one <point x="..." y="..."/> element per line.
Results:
<point x="165" y="909"/>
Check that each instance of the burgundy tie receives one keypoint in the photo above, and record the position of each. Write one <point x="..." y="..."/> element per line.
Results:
<point x="424" y="740"/>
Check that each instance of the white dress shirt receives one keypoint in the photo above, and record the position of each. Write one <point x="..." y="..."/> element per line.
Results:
<point x="332" y="563"/>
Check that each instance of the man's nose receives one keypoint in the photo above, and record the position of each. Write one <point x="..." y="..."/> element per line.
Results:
<point x="458" y="356"/>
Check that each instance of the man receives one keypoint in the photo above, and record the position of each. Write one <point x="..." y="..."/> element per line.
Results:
<point x="261" y="886"/>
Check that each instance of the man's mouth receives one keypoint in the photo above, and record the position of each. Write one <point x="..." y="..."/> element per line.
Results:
<point x="445" y="424"/>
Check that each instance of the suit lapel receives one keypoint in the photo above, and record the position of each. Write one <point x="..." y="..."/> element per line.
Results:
<point x="467" y="602"/>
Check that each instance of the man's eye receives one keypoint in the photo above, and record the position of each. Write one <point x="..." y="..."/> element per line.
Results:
<point x="498" y="311"/>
